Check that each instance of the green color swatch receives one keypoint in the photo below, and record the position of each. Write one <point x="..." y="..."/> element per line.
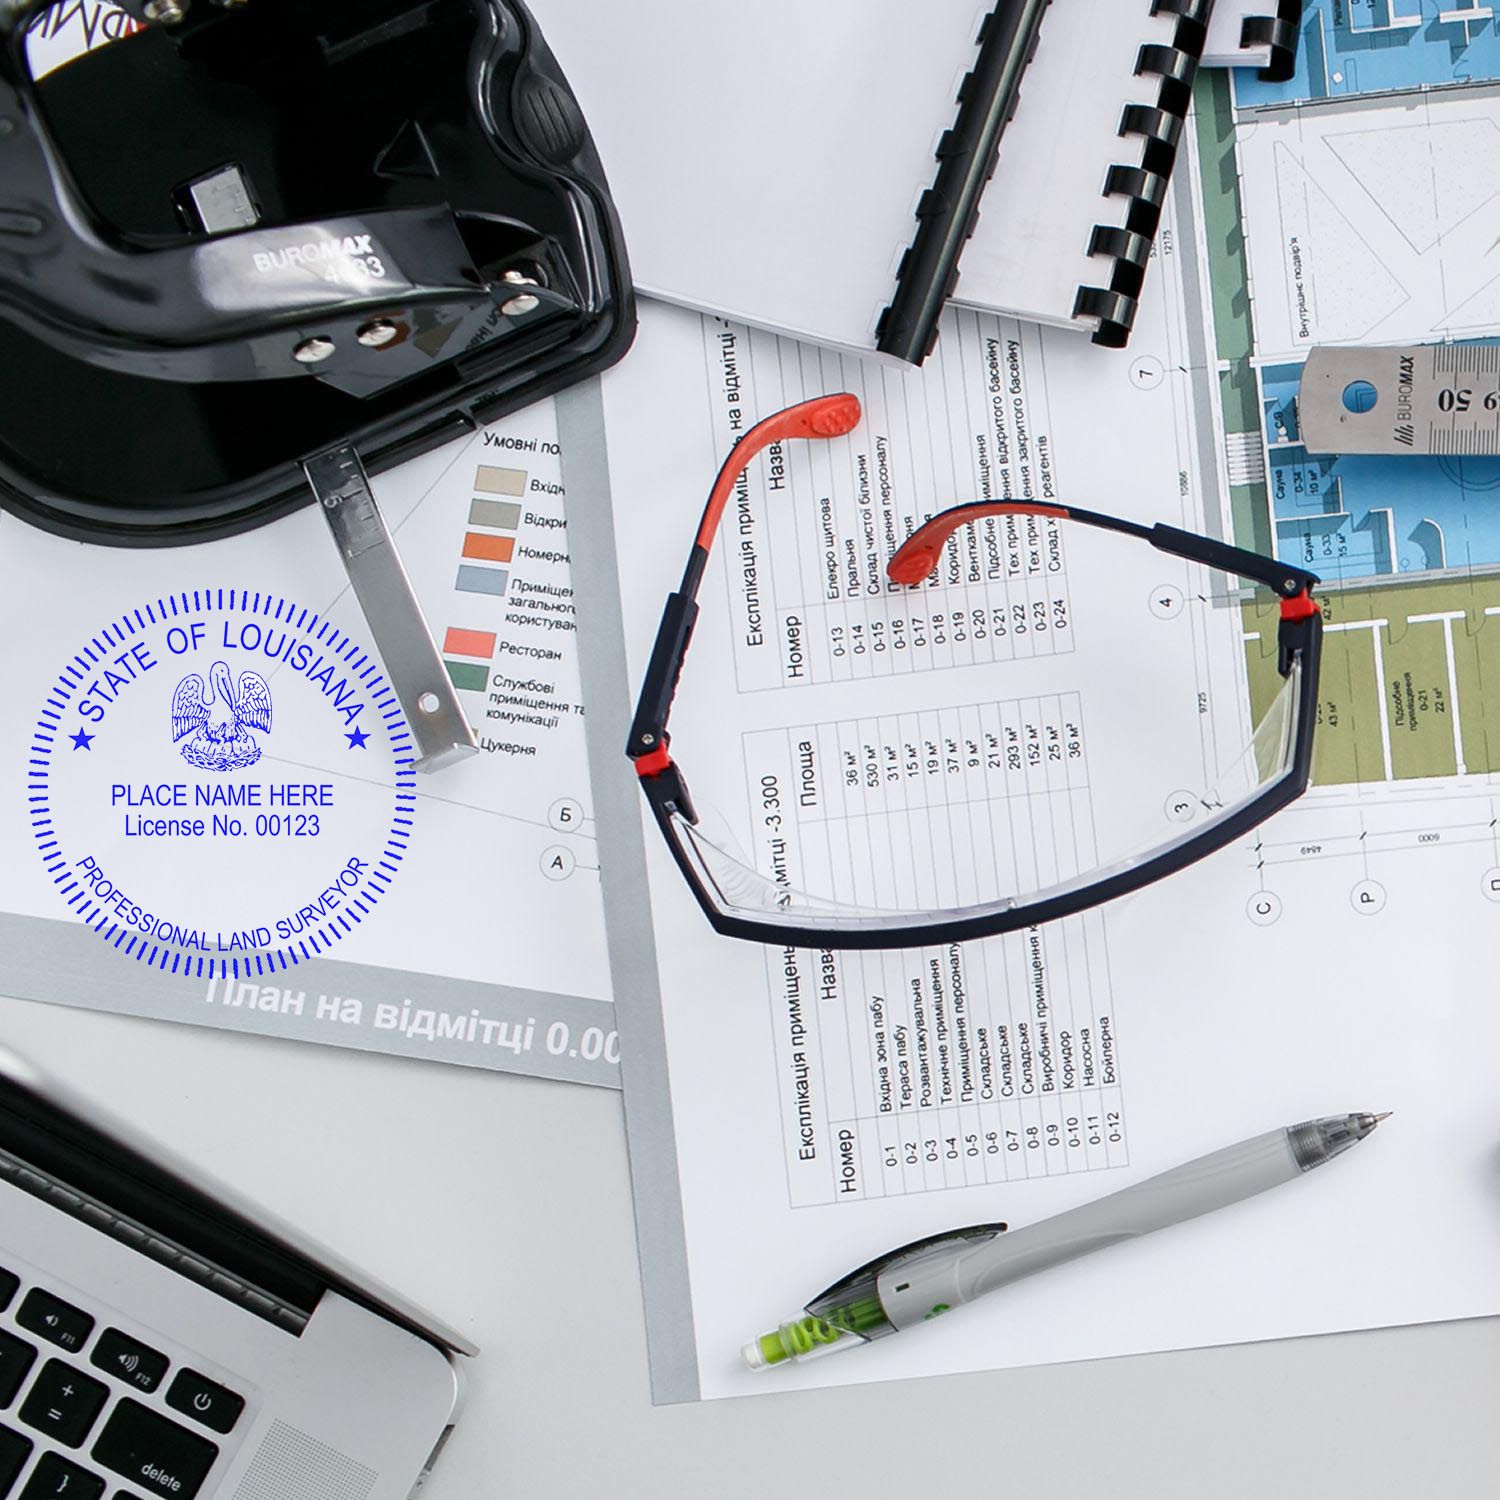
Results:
<point x="468" y="675"/>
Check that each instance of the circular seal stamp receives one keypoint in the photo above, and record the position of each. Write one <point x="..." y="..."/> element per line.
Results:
<point x="221" y="783"/>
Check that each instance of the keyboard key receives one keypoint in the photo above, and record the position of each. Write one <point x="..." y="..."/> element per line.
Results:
<point x="10" y="1284"/>
<point x="204" y="1401"/>
<point x="62" y="1403"/>
<point x="51" y="1318"/>
<point x="155" y="1455"/>
<point x="119" y="1354"/>
<point x="16" y="1358"/>
<point x="14" y="1451"/>
<point x="54" y="1478"/>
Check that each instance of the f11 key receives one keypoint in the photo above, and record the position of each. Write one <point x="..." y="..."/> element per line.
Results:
<point x="51" y="1318"/>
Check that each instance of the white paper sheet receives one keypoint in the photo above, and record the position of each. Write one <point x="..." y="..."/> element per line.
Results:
<point x="1083" y="1056"/>
<point x="499" y="887"/>
<point x="766" y="160"/>
<point x="1030" y="251"/>
<point x="489" y="951"/>
<point x="1223" y="49"/>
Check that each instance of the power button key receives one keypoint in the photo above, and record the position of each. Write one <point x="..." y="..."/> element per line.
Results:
<point x="198" y="1397"/>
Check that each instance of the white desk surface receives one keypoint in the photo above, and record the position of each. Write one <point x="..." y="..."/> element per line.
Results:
<point x="503" y="1203"/>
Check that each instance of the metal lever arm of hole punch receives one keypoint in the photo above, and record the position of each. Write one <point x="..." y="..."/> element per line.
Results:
<point x="422" y="685"/>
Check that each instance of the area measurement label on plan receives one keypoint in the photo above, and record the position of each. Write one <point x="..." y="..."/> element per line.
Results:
<point x="1430" y="398"/>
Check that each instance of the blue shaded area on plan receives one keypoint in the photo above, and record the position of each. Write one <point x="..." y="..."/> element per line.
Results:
<point x="1354" y="47"/>
<point x="1371" y="515"/>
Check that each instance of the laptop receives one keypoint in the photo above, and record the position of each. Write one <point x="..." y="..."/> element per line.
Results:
<point x="162" y="1339"/>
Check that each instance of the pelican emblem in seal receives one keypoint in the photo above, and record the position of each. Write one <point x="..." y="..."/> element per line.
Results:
<point x="214" y="724"/>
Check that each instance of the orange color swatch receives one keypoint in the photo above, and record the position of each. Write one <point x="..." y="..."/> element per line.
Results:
<point x="490" y="548"/>
<point x="469" y="643"/>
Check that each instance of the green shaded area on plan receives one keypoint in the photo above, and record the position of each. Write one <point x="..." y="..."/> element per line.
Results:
<point x="1410" y="685"/>
<point x="1418" y="702"/>
<point x="1219" y="177"/>
<point x="1228" y="275"/>
<point x="1249" y="504"/>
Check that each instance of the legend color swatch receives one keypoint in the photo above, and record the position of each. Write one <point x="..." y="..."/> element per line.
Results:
<point x="496" y="542"/>
<point x="472" y="676"/>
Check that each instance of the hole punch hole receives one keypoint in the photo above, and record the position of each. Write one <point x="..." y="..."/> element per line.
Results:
<point x="1359" y="396"/>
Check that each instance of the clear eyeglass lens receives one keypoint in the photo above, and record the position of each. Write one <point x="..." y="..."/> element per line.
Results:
<point x="1024" y="824"/>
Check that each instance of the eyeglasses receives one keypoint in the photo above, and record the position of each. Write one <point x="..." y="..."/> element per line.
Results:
<point x="1002" y="756"/>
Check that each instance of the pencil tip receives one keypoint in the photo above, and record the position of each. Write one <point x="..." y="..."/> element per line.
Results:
<point x="1386" y="1116"/>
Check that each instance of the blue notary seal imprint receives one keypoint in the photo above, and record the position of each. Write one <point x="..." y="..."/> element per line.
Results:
<point x="215" y="730"/>
<point x="171" y="818"/>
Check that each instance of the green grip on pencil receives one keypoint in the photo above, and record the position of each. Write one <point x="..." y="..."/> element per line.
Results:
<point x="792" y="1339"/>
<point x="801" y="1337"/>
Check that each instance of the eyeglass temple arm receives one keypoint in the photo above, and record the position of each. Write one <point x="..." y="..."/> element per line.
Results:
<point x="647" y="745"/>
<point x="1281" y="578"/>
<point x="823" y="417"/>
<point x="918" y="555"/>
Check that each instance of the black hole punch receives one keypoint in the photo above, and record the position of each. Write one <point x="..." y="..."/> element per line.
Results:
<point x="416" y="208"/>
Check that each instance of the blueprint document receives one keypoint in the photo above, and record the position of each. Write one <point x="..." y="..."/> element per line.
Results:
<point x="487" y="947"/>
<point x="1356" y="204"/>
<point x="794" y="1113"/>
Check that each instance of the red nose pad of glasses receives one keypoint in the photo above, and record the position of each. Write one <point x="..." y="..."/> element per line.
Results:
<point x="911" y="564"/>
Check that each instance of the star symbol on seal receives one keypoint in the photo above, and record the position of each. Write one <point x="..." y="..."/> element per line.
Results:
<point x="83" y="740"/>
<point x="356" y="738"/>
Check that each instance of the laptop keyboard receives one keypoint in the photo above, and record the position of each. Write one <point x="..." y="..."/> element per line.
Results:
<point x="70" y="1418"/>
